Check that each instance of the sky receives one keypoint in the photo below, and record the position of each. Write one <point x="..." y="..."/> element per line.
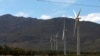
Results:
<point x="47" y="10"/>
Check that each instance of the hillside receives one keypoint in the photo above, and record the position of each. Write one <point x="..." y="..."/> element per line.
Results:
<point x="33" y="33"/>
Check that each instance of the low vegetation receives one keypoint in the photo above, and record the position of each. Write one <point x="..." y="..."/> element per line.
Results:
<point x="5" y="50"/>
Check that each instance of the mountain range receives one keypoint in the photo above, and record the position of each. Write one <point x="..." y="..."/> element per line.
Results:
<point x="32" y="33"/>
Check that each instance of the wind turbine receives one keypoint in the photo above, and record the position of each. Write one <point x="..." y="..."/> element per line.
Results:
<point x="51" y="42"/>
<point x="56" y="40"/>
<point x="63" y="38"/>
<point x="76" y="31"/>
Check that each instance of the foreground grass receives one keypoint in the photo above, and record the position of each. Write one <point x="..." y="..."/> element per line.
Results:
<point x="9" y="51"/>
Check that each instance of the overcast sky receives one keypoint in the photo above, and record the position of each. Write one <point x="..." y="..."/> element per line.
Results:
<point x="47" y="10"/>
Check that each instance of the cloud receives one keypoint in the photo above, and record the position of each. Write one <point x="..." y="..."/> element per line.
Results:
<point x="93" y="17"/>
<point x="24" y="14"/>
<point x="45" y="17"/>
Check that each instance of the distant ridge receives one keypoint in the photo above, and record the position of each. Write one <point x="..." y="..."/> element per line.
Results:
<point x="33" y="33"/>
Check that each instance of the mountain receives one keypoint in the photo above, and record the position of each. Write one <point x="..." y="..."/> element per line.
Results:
<point x="33" y="33"/>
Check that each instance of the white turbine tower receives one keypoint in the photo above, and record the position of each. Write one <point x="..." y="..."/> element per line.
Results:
<point x="56" y="40"/>
<point x="63" y="38"/>
<point x="51" y="42"/>
<point x="76" y="31"/>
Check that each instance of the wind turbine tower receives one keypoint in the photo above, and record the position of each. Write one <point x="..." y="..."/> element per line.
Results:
<point x="63" y="37"/>
<point x="56" y="38"/>
<point x="51" y="42"/>
<point x="76" y="31"/>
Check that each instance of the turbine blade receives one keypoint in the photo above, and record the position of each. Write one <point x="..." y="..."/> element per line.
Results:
<point x="74" y="13"/>
<point x="75" y="29"/>
<point x="77" y="17"/>
<point x="63" y="35"/>
<point x="63" y="31"/>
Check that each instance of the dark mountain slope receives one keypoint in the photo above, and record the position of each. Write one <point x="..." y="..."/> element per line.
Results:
<point x="35" y="34"/>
